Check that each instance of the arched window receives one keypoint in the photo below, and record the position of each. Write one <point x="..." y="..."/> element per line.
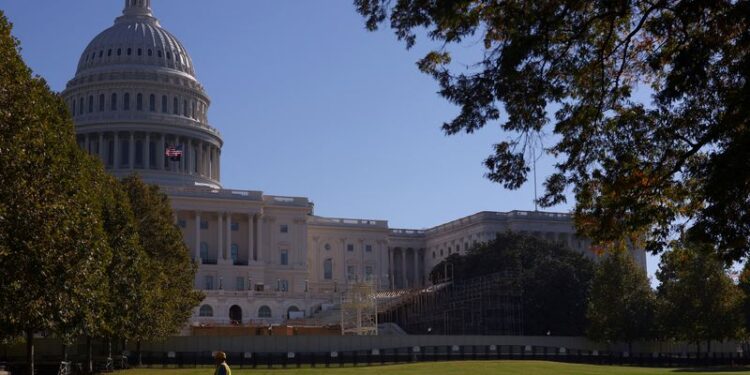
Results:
<point x="235" y="253"/>
<point x="328" y="269"/>
<point x="206" y="310"/>
<point x="176" y="106"/>
<point x="150" y="52"/>
<point x="109" y="52"/>
<point x="158" y="53"/>
<point x="101" y="102"/>
<point x="139" y="102"/>
<point x="184" y="108"/>
<point x="130" y="51"/>
<point x="204" y="250"/>
<point x="91" y="103"/>
<point x="126" y="102"/>
<point x="235" y="314"/>
<point x="152" y="103"/>
<point x="164" y="104"/>
<point x="140" y="52"/>
<point x="119" y="51"/>
<point x="80" y="106"/>
<point x="290" y="310"/>
<point x="264" y="312"/>
<point x="113" y="102"/>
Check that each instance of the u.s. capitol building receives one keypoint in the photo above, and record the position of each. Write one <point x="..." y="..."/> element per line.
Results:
<point x="260" y="256"/>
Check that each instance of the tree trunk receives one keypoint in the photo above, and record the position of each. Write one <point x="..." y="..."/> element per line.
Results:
<point x="139" y="361"/>
<point x="109" y="347"/>
<point x="65" y="352"/>
<point x="30" y="351"/>
<point x="89" y="356"/>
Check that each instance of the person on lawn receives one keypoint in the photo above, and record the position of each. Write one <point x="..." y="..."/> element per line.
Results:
<point x="222" y="368"/>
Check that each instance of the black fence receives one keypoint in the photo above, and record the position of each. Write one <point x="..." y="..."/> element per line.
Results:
<point x="404" y="355"/>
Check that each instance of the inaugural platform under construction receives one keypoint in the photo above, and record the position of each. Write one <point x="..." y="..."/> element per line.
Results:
<point x="359" y="309"/>
<point x="484" y="305"/>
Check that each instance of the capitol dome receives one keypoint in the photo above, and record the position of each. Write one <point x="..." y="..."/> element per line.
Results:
<point x="135" y="95"/>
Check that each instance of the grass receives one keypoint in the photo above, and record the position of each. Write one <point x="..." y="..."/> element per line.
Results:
<point x="457" y="368"/>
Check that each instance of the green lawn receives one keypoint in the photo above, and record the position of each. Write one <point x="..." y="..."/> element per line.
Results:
<point x="456" y="368"/>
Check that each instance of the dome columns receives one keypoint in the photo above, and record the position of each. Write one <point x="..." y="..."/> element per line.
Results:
<point x="137" y="8"/>
<point x="125" y="152"/>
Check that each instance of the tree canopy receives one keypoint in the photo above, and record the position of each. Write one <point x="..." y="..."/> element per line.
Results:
<point x="622" y="305"/>
<point x="554" y="280"/>
<point x="698" y="301"/>
<point x="639" y="169"/>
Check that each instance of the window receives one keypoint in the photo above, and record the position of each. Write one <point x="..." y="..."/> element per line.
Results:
<point x="158" y="53"/>
<point x="204" y="224"/>
<point x="368" y="272"/>
<point x="119" y="51"/>
<point x="433" y="255"/>
<point x="204" y="250"/>
<point x="109" y="52"/>
<point x="284" y="261"/>
<point x="169" y="55"/>
<point x="184" y="108"/>
<point x="235" y="253"/>
<point x="264" y="312"/>
<point x="193" y="108"/>
<point x="150" y="52"/>
<point x="126" y="102"/>
<point x="283" y="228"/>
<point x="113" y="102"/>
<point x="101" y="53"/>
<point x="209" y="283"/>
<point x="235" y="227"/>
<point x="139" y="102"/>
<point x="239" y="283"/>
<point x="328" y="269"/>
<point x="124" y="152"/>
<point x="181" y="223"/>
<point x="283" y="285"/>
<point x="101" y="102"/>
<point x="164" y="104"/>
<point x="152" y="103"/>
<point x="349" y="247"/>
<point x="368" y="248"/>
<point x="327" y="246"/>
<point x="351" y="272"/>
<point x="175" y="107"/>
<point x="91" y="103"/>
<point x="206" y="310"/>
<point x="140" y="51"/>
<point x="130" y="51"/>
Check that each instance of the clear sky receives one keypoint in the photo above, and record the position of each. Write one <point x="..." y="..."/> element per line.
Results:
<point x="309" y="104"/>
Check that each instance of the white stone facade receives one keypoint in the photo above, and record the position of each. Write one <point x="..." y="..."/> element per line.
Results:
<point x="260" y="256"/>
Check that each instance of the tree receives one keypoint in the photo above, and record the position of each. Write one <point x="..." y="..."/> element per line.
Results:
<point x="622" y="304"/>
<point x="52" y="247"/>
<point x="699" y="302"/>
<point x="554" y="280"/>
<point x="170" y="272"/>
<point x="637" y="168"/>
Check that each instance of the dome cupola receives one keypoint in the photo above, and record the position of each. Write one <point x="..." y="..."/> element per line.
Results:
<point x="135" y="95"/>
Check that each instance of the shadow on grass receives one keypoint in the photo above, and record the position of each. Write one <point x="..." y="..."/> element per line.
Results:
<point x="699" y="370"/>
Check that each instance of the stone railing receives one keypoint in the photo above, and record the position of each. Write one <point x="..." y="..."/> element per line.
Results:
<point x="318" y="220"/>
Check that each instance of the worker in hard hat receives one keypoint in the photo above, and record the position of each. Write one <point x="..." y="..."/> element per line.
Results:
<point x="222" y="368"/>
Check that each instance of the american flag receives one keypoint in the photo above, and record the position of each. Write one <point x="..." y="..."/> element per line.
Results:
<point x="173" y="153"/>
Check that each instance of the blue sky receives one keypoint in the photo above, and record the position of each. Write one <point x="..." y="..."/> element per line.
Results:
<point x="309" y="103"/>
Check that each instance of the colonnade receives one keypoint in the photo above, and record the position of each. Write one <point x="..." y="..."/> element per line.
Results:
<point x="253" y="223"/>
<point x="146" y="150"/>
<point x="400" y="279"/>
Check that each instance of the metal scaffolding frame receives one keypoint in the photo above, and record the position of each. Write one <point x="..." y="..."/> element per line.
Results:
<point x="485" y="305"/>
<point x="359" y="309"/>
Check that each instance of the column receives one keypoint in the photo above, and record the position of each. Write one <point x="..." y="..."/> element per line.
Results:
<point x="220" y="244"/>
<point x="147" y="152"/>
<point x="391" y="269"/>
<point x="131" y="153"/>
<point x="101" y="148"/>
<point x="229" y="237"/>
<point x="197" y="235"/>
<point x="259" y="237"/>
<point x="189" y="156"/>
<point x="250" y="245"/>
<point x="403" y="268"/>
<point x="116" y="150"/>
<point x="416" y="267"/>
<point x="159" y="149"/>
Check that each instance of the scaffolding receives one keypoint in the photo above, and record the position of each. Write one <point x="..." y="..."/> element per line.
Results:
<point x="485" y="305"/>
<point x="359" y="310"/>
